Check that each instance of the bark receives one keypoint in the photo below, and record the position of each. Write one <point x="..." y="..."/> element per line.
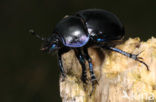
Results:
<point x="120" y="79"/>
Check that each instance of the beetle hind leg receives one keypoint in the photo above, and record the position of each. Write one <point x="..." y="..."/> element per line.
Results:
<point x="133" y="56"/>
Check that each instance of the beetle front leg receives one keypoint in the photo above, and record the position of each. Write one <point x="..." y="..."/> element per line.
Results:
<point x="133" y="56"/>
<point x="93" y="78"/>
<point x="82" y="62"/>
<point x="60" y="52"/>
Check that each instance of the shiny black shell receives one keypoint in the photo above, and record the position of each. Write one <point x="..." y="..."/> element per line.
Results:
<point x="72" y="31"/>
<point x="99" y="22"/>
<point x="76" y="30"/>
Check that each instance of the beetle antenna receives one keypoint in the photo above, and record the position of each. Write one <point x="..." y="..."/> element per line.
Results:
<point x="38" y="36"/>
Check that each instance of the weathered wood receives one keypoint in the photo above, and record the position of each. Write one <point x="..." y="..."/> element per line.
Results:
<point x="120" y="78"/>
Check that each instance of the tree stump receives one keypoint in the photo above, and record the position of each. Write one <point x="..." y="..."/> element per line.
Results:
<point x="120" y="79"/>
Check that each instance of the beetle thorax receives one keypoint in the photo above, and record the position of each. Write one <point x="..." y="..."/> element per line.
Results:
<point x="76" y="38"/>
<point x="72" y="32"/>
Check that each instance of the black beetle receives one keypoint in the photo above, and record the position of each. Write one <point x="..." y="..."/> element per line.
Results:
<point x="86" y="28"/>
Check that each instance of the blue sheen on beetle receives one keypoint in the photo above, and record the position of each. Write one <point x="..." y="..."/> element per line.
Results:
<point x="86" y="28"/>
<point x="77" y="42"/>
<point x="53" y="46"/>
<point x="100" y="40"/>
<point x="72" y="32"/>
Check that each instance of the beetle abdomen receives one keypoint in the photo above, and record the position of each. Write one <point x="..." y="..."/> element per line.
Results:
<point x="102" y="22"/>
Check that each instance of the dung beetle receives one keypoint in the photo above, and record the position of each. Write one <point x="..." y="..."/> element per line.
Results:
<point x="86" y="28"/>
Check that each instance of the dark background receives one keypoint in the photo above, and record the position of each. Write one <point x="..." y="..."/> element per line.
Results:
<point x="28" y="76"/>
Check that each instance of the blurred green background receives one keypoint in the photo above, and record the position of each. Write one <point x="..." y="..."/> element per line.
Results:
<point x="28" y="76"/>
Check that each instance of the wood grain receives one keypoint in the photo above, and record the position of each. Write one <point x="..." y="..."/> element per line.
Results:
<point x="120" y="78"/>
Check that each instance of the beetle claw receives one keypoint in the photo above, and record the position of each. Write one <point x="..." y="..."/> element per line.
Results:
<point x="63" y="76"/>
<point x="139" y="53"/>
<point x="138" y="59"/>
<point x="94" y="83"/>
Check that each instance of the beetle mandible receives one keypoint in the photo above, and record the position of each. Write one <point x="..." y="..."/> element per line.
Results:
<point x="86" y="28"/>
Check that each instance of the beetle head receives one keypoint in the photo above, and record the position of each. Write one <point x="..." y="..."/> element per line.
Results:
<point x="49" y="44"/>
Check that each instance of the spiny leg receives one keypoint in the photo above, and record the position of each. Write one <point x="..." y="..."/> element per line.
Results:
<point x="60" y="52"/>
<point x="82" y="62"/>
<point x="133" y="56"/>
<point x="93" y="78"/>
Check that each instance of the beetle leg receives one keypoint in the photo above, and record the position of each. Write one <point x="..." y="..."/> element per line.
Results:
<point x="82" y="62"/>
<point x="60" y="52"/>
<point x="93" y="78"/>
<point x="133" y="56"/>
